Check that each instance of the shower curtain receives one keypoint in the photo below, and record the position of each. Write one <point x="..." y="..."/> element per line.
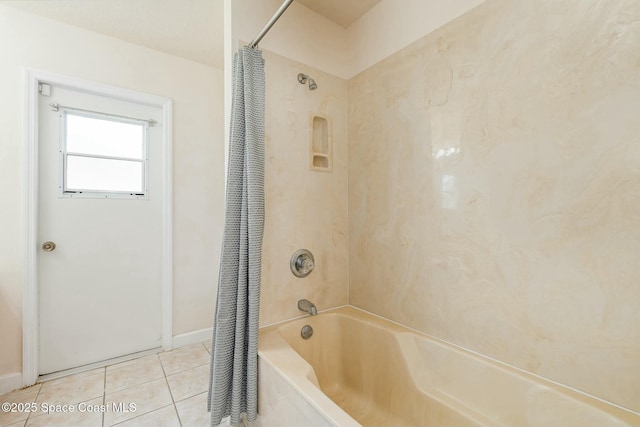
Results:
<point x="233" y="384"/>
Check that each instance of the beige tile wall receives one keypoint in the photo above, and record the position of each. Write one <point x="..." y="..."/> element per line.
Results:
<point x="304" y="208"/>
<point x="494" y="189"/>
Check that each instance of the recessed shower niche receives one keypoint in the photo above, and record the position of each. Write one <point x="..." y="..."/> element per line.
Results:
<point x="320" y="147"/>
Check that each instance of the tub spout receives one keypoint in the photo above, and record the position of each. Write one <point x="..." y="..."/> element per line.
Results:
<point x="308" y="306"/>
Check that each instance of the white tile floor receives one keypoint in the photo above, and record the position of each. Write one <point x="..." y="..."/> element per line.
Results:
<point x="168" y="389"/>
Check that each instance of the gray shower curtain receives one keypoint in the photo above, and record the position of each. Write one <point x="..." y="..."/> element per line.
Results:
<point x="233" y="387"/>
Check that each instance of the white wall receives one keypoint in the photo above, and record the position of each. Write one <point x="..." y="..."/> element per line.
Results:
<point x="300" y="34"/>
<point x="198" y="157"/>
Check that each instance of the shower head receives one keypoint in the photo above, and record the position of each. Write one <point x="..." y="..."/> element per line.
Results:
<point x="303" y="78"/>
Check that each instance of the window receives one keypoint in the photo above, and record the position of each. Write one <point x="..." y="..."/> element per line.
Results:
<point x="103" y="156"/>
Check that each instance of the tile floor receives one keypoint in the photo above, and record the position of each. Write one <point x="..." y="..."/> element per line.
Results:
<point x="167" y="389"/>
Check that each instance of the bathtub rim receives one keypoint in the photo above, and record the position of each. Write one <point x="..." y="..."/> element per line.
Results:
<point x="624" y="414"/>
<point x="583" y="395"/>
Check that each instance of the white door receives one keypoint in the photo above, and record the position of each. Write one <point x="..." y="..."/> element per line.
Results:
<point x="100" y="203"/>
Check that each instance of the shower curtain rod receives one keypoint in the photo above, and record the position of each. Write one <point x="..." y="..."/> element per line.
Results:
<point x="272" y="21"/>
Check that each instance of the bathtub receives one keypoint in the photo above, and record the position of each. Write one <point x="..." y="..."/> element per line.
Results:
<point x="360" y="370"/>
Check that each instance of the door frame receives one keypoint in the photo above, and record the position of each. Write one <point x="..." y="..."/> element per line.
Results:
<point x="30" y="304"/>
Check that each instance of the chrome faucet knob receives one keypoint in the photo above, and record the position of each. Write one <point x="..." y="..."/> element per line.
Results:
<point x="302" y="263"/>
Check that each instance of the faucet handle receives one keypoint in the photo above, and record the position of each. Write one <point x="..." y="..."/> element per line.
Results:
<point x="302" y="263"/>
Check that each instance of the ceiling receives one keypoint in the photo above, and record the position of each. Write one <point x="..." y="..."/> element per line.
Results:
<point x="191" y="29"/>
<point x="342" y="12"/>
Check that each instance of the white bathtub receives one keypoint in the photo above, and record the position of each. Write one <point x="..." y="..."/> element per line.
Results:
<point x="360" y="370"/>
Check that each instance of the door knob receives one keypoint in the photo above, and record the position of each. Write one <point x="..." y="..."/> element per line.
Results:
<point x="48" y="246"/>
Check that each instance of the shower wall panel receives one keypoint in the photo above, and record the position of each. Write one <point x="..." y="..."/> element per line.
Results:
<point x="494" y="189"/>
<point x="303" y="208"/>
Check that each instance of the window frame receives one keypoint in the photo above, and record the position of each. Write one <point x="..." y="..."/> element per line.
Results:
<point x="63" y="192"/>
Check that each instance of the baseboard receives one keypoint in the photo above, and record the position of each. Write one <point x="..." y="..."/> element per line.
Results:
<point x="10" y="382"/>
<point x="201" y="335"/>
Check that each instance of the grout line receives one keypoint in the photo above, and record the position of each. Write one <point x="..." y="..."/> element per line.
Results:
<point x="175" y="408"/>
<point x="104" y="393"/>
<point x="148" y="411"/>
<point x="173" y="400"/>
<point x="35" y="399"/>
<point x="129" y="388"/>
<point x="164" y="372"/>
<point x="138" y="416"/>
<point x="156" y="379"/>
<point x="92" y="366"/>
<point x="104" y="387"/>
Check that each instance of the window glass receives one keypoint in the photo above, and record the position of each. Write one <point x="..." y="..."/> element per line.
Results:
<point x="99" y="174"/>
<point x="102" y="154"/>
<point x="104" y="137"/>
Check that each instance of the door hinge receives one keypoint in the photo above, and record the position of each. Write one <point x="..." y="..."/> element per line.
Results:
<point x="44" y="89"/>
